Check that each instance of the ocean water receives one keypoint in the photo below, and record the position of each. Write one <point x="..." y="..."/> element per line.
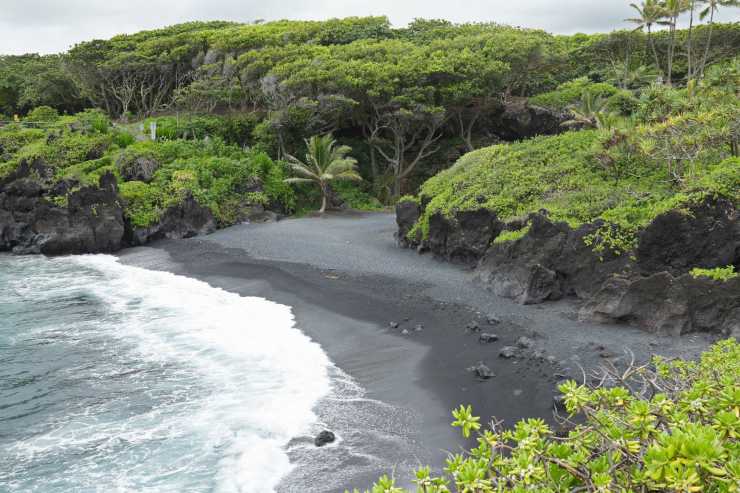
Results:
<point x="116" y="378"/>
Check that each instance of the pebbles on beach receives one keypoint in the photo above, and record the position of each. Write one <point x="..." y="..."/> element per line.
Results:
<point x="482" y="371"/>
<point x="525" y="342"/>
<point x="508" y="352"/>
<point x="473" y="327"/>
<point x="486" y="338"/>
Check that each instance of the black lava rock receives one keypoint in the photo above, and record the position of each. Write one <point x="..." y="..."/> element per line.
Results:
<point x="482" y="371"/>
<point x="324" y="438"/>
<point x="486" y="338"/>
<point x="508" y="352"/>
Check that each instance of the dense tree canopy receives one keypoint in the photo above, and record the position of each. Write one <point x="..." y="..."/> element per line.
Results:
<point x="410" y="100"/>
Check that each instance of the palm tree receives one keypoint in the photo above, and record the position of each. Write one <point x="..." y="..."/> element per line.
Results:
<point x="325" y="162"/>
<point x="712" y="8"/>
<point x="589" y="112"/>
<point x="673" y="9"/>
<point x="650" y="13"/>
<point x="631" y="76"/>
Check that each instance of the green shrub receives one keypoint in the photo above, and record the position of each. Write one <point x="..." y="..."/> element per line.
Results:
<point x="570" y="93"/>
<point x="92" y="120"/>
<point x="355" y="197"/>
<point x="122" y="138"/>
<point x="668" y="426"/>
<point x="718" y="273"/>
<point x="626" y="175"/>
<point x="43" y="114"/>
<point x="144" y="203"/>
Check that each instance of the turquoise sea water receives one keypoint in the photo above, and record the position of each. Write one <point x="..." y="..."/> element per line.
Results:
<point x="115" y="378"/>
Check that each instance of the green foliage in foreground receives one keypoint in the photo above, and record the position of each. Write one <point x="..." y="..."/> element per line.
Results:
<point x="680" y="146"/>
<point x="83" y="147"/>
<point x="718" y="273"/>
<point x="669" y="426"/>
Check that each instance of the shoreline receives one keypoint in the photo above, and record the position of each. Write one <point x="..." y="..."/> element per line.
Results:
<point x="347" y="281"/>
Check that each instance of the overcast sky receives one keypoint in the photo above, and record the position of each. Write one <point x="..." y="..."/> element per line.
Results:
<point x="50" y="26"/>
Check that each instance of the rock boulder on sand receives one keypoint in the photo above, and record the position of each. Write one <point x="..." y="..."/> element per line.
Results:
<point x="324" y="438"/>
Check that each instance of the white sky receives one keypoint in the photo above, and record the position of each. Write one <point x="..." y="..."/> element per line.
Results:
<point x="50" y="26"/>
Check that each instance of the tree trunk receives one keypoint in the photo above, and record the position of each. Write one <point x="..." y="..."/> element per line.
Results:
<point x="397" y="187"/>
<point x="689" y="41"/>
<point x="324" y="200"/>
<point x="651" y="43"/>
<point x="709" y="42"/>
<point x="671" y="50"/>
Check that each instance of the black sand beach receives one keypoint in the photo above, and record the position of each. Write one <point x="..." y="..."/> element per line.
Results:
<point x="347" y="282"/>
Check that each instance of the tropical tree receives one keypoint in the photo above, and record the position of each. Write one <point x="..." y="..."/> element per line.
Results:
<point x="712" y="6"/>
<point x="589" y="112"/>
<point x="650" y="13"/>
<point x="673" y="10"/>
<point x="324" y="163"/>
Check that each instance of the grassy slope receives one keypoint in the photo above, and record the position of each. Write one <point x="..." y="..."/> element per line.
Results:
<point x="626" y="175"/>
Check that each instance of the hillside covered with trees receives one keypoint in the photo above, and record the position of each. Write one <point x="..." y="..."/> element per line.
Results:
<point x="410" y="101"/>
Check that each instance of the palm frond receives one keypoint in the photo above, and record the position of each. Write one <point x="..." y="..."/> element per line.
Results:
<point x="301" y="168"/>
<point x="349" y="176"/>
<point x="299" y="180"/>
<point x="341" y="165"/>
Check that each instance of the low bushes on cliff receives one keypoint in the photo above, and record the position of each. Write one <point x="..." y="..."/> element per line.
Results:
<point x="625" y="175"/>
<point x="664" y="426"/>
<point x="616" y="215"/>
<point x="191" y="186"/>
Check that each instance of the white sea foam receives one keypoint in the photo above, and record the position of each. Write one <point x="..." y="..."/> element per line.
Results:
<point x="242" y="381"/>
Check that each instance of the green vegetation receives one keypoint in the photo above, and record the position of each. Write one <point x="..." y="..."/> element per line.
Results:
<point x="223" y="177"/>
<point x="666" y="426"/>
<point x="324" y="163"/>
<point x="679" y="146"/>
<point x="407" y="100"/>
<point x="507" y="236"/>
<point x="718" y="273"/>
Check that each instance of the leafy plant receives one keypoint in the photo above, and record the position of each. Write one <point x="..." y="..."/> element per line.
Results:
<point x="324" y="163"/>
<point x="717" y="274"/>
<point x="665" y="426"/>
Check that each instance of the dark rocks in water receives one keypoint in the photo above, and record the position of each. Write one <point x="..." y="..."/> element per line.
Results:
<point x="473" y="327"/>
<point x="486" y="338"/>
<point x="493" y="319"/>
<point x="508" y="352"/>
<point x="482" y="371"/>
<point x="31" y="221"/>
<point x="184" y="220"/>
<point x="393" y="325"/>
<point x="324" y="438"/>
